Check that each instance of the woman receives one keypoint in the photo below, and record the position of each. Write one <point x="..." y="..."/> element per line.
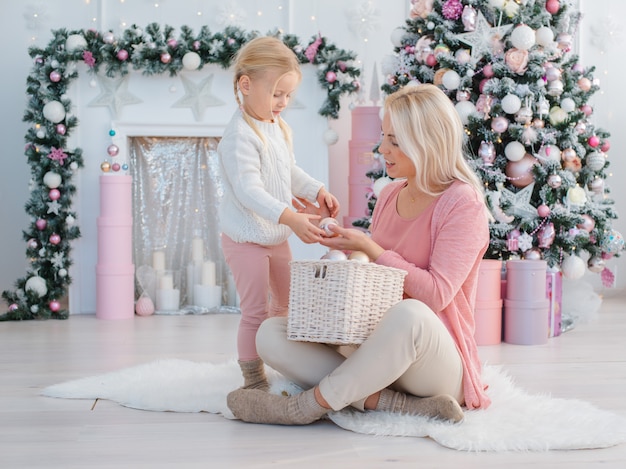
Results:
<point x="422" y="358"/>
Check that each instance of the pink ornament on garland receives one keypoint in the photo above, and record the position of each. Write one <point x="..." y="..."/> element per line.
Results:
<point x="331" y="77"/>
<point x="55" y="239"/>
<point x="593" y="141"/>
<point x="54" y="194"/>
<point x="606" y="146"/>
<point x="41" y="224"/>
<point x="113" y="150"/>
<point x="122" y="55"/>
<point x="55" y="306"/>
<point x="13" y="307"/>
<point x="452" y="9"/>
<point x="543" y="211"/>
<point x="166" y="58"/>
<point x="55" y="76"/>
<point x="553" y="6"/>
<point x="61" y="129"/>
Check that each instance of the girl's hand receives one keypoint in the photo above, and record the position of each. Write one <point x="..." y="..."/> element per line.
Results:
<point x="328" y="202"/>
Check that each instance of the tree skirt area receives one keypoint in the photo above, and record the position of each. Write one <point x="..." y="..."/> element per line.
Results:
<point x="516" y="420"/>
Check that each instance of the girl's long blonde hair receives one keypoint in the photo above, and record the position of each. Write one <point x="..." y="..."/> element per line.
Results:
<point x="257" y="57"/>
<point x="429" y="131"/>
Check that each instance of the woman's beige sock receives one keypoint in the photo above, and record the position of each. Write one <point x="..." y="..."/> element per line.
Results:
<point x="442" y="406"/>
<point x="254" y="374"/>
<point x="254" y="406"/>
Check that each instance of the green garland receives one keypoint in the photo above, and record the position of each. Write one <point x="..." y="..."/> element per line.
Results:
<point x="154" y="51"/>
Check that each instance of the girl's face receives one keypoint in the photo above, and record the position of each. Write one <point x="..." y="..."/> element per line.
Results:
<point x="398" y="165"/>
<point x="262" y="100"/>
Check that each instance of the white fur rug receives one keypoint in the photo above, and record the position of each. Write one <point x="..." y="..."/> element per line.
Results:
<point x="516" y="420"/>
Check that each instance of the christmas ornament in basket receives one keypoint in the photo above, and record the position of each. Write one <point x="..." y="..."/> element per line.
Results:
<point x="340" y="301"/>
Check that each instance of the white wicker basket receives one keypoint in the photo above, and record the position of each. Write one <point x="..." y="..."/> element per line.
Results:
<point x="340" y="302"/>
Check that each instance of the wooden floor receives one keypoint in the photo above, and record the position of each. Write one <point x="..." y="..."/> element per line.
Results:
<point x="588" y="362"/>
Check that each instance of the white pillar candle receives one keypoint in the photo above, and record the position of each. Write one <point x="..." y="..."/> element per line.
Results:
<point x="168" y="300"/>
<point x="208" y="273"/>
<point x="190" y="283"/>
<point x="158" y="260"/>
<point x="207" y="296"/>
<point x="166" y="282"/>
<point x="197" y="249"/>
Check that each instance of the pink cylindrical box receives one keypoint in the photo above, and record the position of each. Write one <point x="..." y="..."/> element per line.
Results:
<point x="488" y="320"/>
<point x="526" y="280"/>
<point x="115" y="291"/>
<point x="115" y="196"/>
<point x="489" y="280"/>
<point x="526" y="322"/>
<point x="115" y="240"/>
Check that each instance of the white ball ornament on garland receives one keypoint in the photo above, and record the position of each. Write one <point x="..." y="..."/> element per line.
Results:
<point x="465" y="109"/>
<point x="52" y="180"/>
<point x="523" y="37"/>
<point x="396" y="36"/>
<point x="514" y="151"/>
<point x="596" y="264"/>
<point x="330" y="136"/>
<point x="75" y="42"/>
<point x="568" y="104"/>
<point x="191" y="61"/>
<point x="573" y="267"/>
<point x="37" y="285"/>
<point x="595" y="161"/>
<point x="54" y="112"/>
<point x="379" y="184"/>
<point x="544" y="36"/>
<point x="511" y="103"/>
<point x="451" y="80"/>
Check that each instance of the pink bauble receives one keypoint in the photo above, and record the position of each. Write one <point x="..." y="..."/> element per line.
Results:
<point x="41" y="224"/>
<point x="500" y="124"/>
<point x="61" y="129"/>
<point x="554" y="181"/>
<point x="568" y="154"/>
<point x="196" y="45"/>
<point x="606" y="146"/>
<point x="520" y="172"/>
<point x="588" y="223"/>
<point x="431" y="60"/>
<point x="144" y="306"/>
<point x="586" y="109"/>
<point x="584" y="83"/>
<point x="113" y="150"/>
<point x="172" y="43"/>
<point x="335" y="255"/>
<point x="55" y="76"/>
<point x="487" y="152"/>
<point x="543" y="211"/>
<point x="552" y="6"/>
<point x="546" y="235"/>
<point x="122" y="54"/>
<point x="488" y="71"/>
<point x="325" y="224"/>
<point x="54" y="194"/>
<point x="166" y="58"/>
<point x="55" y="239"/>
<point x="359" y="256"/>
<point x="13" y="307"/>
<point x="331" y="77"/>
<point x="115" y="167"/>
<point x="32" y="243"/>
<point x="54" y="306"/>
<point x="593" y="141"/>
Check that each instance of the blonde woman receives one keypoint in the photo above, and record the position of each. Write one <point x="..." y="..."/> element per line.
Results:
<point x="260" y="178"/>
<point x="432" y="222"/>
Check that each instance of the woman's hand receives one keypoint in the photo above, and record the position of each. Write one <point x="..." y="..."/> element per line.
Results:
<point x="351" y="239"/>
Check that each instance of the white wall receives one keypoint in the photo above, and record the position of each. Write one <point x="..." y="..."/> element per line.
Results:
<point x="331" y="18"/>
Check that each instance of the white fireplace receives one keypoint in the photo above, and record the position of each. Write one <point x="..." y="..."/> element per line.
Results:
<point x="161" y="106"/>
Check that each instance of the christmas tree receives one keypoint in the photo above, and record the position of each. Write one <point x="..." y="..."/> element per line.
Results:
<point x="523" y="97"/>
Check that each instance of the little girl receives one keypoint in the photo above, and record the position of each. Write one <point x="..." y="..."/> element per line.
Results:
<point x="260" y="180"/>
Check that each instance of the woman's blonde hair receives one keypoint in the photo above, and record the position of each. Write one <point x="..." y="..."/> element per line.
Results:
<point x="256" y="58"/>
<point x="429" y="131"/>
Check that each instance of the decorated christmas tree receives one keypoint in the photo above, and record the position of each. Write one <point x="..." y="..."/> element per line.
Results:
<point x="523" y="96"/>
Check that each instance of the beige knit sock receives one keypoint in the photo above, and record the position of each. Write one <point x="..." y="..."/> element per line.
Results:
<point x="254" y="406"/>
<point x="442" y="406"/>
<point x="254" y="374"/>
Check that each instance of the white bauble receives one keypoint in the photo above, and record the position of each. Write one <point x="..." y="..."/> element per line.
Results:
<point x="544" y="36"/>
<point x="550" y="152"/>
<point x="523" y="37"/>
<point x="465" y="109"/>
<point x="511" y="103"/>
<point x="573" y="267"/>
<point x="388" y="64"/>
<point x="37" y="285"/>
<point x="499" y="4"/>
<point x="359" y="256"/>
<point x="54" y="112"/>
<point x="335" y="255"/>
<point x="514" y="151"/>
<point x="379" y="184"/>
<point x="555" y="88"/>
<point x="52" y="180"/>
<point x="595" y="161"/>
<point x="191" y="61"/>
<point x="330" y="136"/>
<point x="451" y="80"/>
<point x="396" y="36"/>
<point x="75" y="42"/>
<point x="568" y="104"/>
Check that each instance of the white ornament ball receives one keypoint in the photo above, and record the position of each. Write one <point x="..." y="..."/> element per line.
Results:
<point x="191" y="61"/>
<point x="52" y="180"/>
<point x="550" y="152"/>
<point x="523" y="37"/>
<point x="379" y="184"/>
<point x="511" y="103"/>
<point x="359" y="256"/>
<point x="451" y="80"/>
<point x="37" y="285"/>
<point x="388" y="64"/>
<point x="544" y="36"/>
<point x="514" y="151"/>
<point x="330" y="136"/>
<point x="325" y="224"/>
<point x="555" y="88"/>
<point x="75" y="42"/>
<point x="62" y="273"/>
<point x="568" y="104"/>
<point x="54" y="112"/>
<point x="573" y="267"/>
<point x="396" y="36"/>
<point x="595" y="161"/>
<point x="465" y="109"/>
<point x="40" y="134"/>
<point x="335" y="255"/>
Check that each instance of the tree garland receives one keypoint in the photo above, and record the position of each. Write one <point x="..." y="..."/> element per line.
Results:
<point x="154" y="51"/>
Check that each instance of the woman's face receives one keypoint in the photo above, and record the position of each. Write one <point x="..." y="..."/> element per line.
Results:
<point x="264" y="102"/>
<point x="397" y="164"/>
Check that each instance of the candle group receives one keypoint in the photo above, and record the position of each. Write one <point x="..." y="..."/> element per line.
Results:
<point x="202" y="290"/>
